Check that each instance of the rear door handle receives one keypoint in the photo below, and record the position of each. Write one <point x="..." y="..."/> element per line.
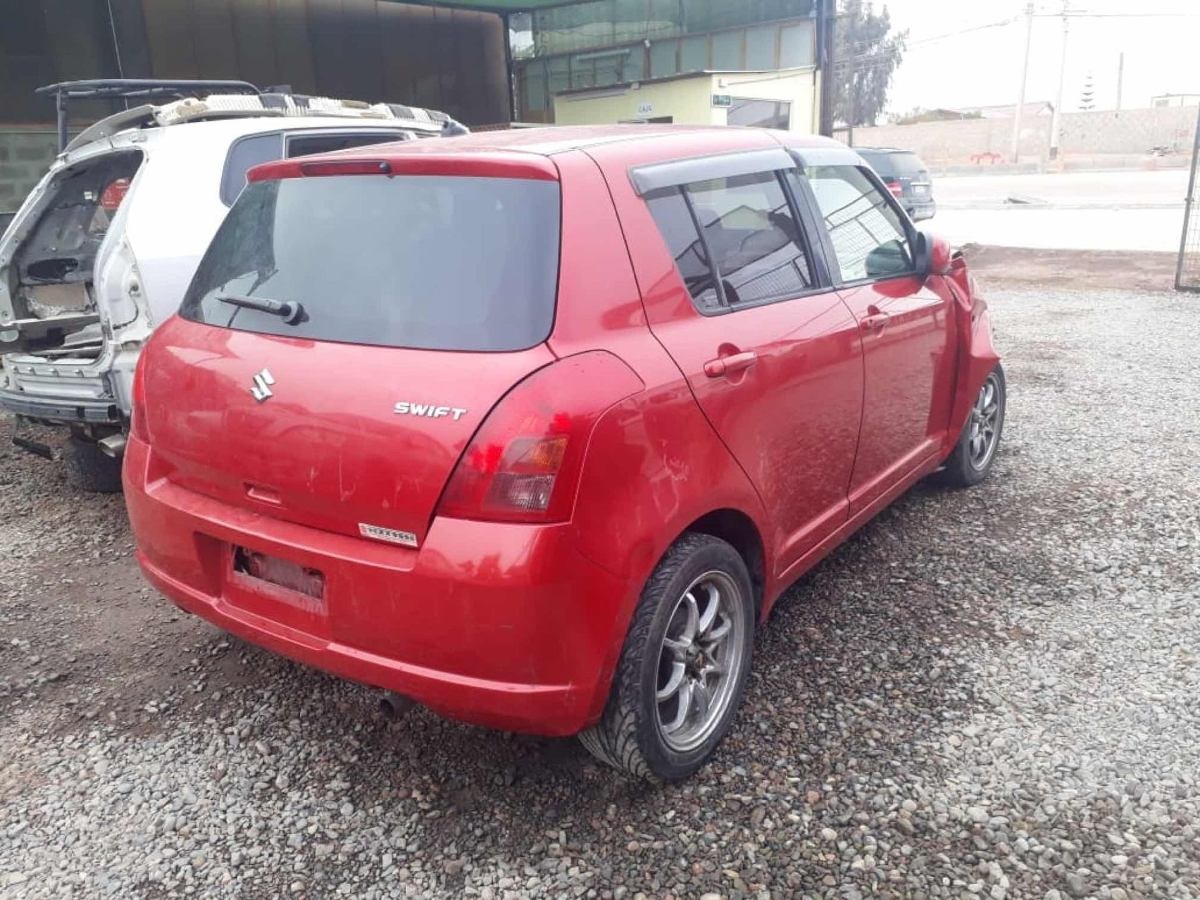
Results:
<point x="734" y="362"/>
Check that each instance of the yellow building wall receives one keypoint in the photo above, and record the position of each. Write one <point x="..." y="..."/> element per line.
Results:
<point x="799" y="86"/>
<point x="689" y="100"/>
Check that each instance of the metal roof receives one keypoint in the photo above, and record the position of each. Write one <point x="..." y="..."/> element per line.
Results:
<point x="497" y="6"/>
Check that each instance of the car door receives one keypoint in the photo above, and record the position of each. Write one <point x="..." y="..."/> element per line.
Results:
<point x="905" y="322"/>
<point x="769" y="350"/>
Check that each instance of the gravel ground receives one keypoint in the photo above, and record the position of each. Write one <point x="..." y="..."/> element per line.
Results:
<point x="990" y="693"/>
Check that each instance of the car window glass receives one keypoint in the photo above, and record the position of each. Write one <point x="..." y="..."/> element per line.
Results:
<point x="244" y="155"/>
<point x="434" y="262"/>
<point x="907" y="164"/>
<point x="306" y="144"/>
<point x="757" y="251"/>
<point x="880" y="162"/>
<point x="868" y="235"/>
<point x="670" y="211"/>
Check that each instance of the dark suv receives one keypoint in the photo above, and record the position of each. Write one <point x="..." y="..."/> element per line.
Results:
<point x="906" y="177"/>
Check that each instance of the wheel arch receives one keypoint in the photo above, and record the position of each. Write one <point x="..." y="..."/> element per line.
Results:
<point x="738" y="530"/>
<point x="976" y="359"/>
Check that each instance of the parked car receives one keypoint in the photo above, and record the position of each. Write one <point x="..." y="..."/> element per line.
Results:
<point x="102" y="249"/>
<point x="906" y="177"/>
<point x="535" y="427"/>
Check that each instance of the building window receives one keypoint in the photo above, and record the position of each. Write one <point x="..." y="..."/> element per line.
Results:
<point x="693" y="54"/>
<point x="664" y="59"/>
<point x="760" y="47"/>
<point x="760" y="113"/>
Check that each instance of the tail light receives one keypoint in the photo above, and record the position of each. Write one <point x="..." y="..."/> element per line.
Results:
<point x="111" y="197"/>
<point x="524" y="462"/>
<point x="137" y="414"/>
<point x="895" y="187"/>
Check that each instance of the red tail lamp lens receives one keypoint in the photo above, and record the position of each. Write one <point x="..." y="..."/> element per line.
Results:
<point x="524" y="463"/>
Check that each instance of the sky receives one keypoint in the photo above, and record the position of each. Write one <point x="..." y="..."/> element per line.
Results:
<point x="953" y="62"/>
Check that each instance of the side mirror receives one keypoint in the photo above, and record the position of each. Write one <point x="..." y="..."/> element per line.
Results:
<point x="931" y="254"/>
<point x="940" y="254"/>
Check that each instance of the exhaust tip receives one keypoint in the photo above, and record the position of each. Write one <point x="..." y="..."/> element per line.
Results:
<point x="394" y="706"/>
<point x="112" y="446"/>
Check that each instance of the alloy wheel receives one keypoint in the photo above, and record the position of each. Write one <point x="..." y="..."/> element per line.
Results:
<point x="699" y="661"/>
<point x="985" y="423"/>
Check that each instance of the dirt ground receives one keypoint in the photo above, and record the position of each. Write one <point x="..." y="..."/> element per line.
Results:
<point x="958" y="702"/>
<point x="1077" y="269"/>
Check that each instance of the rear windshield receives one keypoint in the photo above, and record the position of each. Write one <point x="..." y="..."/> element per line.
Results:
<point x="423" y="261"/>
<point x="903" y="163"/>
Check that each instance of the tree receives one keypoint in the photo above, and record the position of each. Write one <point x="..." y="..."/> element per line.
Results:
<point x="1087" y="99"/>
<point x="865" y="57"/>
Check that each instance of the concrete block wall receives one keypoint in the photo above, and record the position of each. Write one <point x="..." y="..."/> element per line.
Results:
<point x="966" y="142"/>
<point x="25" y="154"/>
<point x="1129" y="130"/>
<point x="962" y="141"/>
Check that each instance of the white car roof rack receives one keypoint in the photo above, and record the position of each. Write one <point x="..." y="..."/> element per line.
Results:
<point x="193" y="101"/>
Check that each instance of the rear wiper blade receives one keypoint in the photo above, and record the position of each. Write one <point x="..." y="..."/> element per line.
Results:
<point x="291" y="311"/>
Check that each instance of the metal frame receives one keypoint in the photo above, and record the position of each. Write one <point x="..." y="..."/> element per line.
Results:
<point x="1188" y="209"/>
<point x="131" y="89"/>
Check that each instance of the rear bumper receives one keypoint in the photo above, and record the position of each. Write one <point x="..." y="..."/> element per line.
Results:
<point x="60" y="409"/>
<point x="501" y="625"/>
<point x="920" y="209"/>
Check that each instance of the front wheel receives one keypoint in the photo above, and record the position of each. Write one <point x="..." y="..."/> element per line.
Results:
<point x="684" y="664"/>
<point x="972" y="458"/>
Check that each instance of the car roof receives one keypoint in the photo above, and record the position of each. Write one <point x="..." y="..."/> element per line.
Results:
<point x="550" y="140"/>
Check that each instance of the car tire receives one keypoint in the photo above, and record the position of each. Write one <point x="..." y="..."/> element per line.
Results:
<point x="975" y="453"/>
<point x="90" y="469"/>
<point x="684" y="664"/>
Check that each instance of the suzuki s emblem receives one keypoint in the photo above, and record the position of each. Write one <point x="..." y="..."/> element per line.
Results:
<point x="261" y="388"/>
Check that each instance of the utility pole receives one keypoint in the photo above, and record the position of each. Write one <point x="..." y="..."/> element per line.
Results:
<point x="1120" y="77"/>
<point x="826" y="15"/>
<point x="1056" y="127"/>
<point x="1020" y="108"/>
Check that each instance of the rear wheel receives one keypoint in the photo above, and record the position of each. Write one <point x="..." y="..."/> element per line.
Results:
<point x="90" y="469"/>
<point x="972" y="458"/>
<point x="684" y="665"/>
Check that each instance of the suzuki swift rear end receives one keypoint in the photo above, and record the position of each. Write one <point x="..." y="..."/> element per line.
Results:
<point x="481" y="423"/>
<point x="354" y="445"/>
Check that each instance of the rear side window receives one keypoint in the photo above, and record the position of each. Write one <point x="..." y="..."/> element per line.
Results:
<point x="244" y="155"/>
<point x="736" y="240"/>
<point x="869" y="238"/>
<point x="429" y="262"/>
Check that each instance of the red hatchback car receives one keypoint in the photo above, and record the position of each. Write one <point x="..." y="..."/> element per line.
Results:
<point x="534" y="427"/>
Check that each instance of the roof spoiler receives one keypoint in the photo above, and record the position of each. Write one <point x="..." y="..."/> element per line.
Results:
<point x="129" y="89"/>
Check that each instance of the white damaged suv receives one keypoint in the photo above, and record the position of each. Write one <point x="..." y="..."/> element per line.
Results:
<point x="104" y="246"/>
